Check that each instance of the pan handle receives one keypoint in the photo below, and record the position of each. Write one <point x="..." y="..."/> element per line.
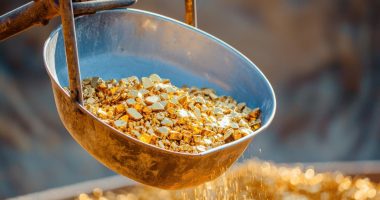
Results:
<point x="71" y="50"/>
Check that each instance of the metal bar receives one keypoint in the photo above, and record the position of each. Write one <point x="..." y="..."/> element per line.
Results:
<point x="191" y="12"/>
<point x="68" y="28"/>
<point x="39" y="12"/>
<point x="88" y="7"/>
<point x="28" y="15"/>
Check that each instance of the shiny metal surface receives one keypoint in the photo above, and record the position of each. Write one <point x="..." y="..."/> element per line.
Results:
<point x="125" y="42"/>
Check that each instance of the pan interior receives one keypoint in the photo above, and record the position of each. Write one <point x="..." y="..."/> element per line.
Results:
<point x="126" y="42"/>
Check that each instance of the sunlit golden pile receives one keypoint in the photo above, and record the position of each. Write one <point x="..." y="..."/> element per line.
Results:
<point x="184" y="119"/>
<point x="258" y="180"/>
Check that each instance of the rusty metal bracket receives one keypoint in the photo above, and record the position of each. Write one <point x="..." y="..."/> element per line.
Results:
<point x="69" y="36"/>
<point x="39" y="12"/>
<point x="191" y="12"/>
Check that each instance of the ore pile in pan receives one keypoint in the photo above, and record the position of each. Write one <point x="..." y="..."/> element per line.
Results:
<point x="154" y="111"/>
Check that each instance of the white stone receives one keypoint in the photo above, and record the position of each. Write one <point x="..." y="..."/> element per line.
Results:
<point x="146" y="82"/>
<point x="131" y="101"/>
<point x="199" y="99"/>
<point x="157" y="106"/>
<point x="136" y="133"/>
<point x="197" y="112"/>
<point x="120" y="123"/>
<point x="90" y="100"/>
<point x="163" y="130"/>
<point x="182" y="113"/>
<point x="134" y="93"/>
<point x="152" y="99"/>
<point x="133" y="79"/>
<point x="167" y="122"/>
<point x="218" y="111"/>
<point x="160" y="116"/>
<point x="155" y="78"/>
<point x="134" y="114"/>
<point x="143" y="92"/>
<point x="170" y="89"/>
<point x="234" y="125"/>
<point x="228" y="134"/>
<point x="164" y="96"/>
<point x="201" y="148"/>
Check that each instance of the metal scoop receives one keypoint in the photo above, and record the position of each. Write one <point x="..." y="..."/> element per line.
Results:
<point x="126" y="42"/>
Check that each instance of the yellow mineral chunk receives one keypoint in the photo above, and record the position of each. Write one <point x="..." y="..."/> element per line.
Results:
<point x="146" y="138"/>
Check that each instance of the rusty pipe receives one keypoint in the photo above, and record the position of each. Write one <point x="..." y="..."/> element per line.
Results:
<point x="28" y="15"/>
<point x="39" y="12"/>
<point x="68" y="29"/>
<point x="191" y="12"/>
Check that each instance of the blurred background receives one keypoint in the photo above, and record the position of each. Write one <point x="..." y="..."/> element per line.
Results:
<point x="322" y="57"/>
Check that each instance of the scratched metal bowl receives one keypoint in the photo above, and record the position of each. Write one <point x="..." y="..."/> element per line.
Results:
<point x="126" y="42"/>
